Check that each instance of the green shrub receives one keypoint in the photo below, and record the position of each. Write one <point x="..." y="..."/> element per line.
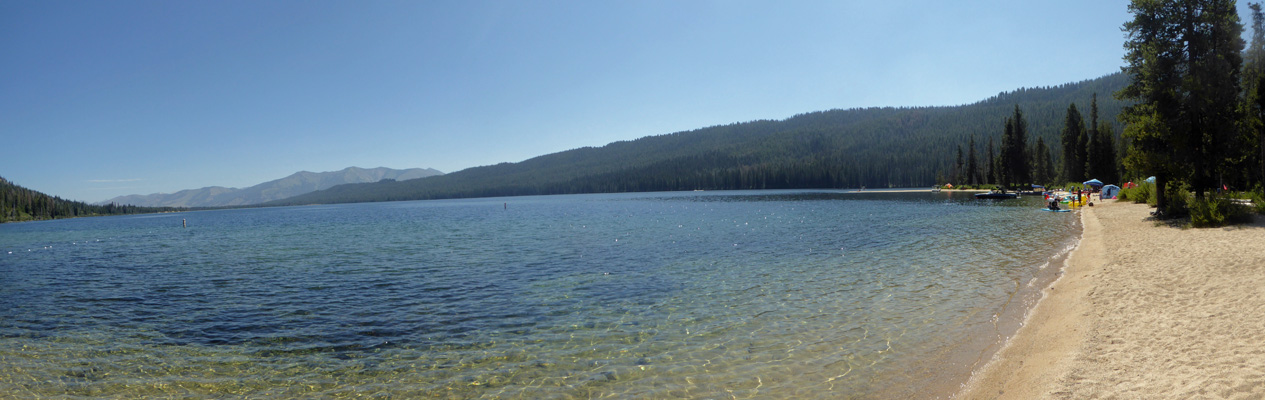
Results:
<point x="1177" y="195"/>
<point x="1152" y="199"/>
<point x="1140" y="194"/>
<point x="1217" y="210"/>
<point x="1257" y="196"/>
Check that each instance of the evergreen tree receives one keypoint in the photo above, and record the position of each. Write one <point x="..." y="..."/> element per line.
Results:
<point x="1183" y="60"/>
<point x="972" y="164"/>
<point x="1252" y="130"/>
<point x="1023" y="171"/>
<point x="1093" y="152"/>
<point x="957" y="170"/>
<point x="1042" y="165"/>
<point x="1073" y="148"/>
<point x="1256" y="130"/>
<point x="992" y="163"/>
<point x="1082" y="153"/>
<point x="1102" y="161"/>
<point x="1005" y="176"/>
<point x="1105" y="146"/>
<point x="1216" y="87"/>
<point x="1014" y="151"/>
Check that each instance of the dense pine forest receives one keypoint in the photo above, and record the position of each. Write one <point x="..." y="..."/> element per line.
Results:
<point x="1197" y="122"/>
<point x="872" y="147"/>
<point x="21" y="204"/>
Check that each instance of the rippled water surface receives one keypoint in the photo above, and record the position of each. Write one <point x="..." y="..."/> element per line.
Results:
<point x="662" y="295"/>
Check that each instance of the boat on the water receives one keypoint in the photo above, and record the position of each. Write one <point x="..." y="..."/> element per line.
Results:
<point x="999" y="194"/>
<point x="1036" y="190"/>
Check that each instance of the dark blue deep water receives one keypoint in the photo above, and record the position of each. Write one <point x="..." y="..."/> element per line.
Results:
<point x="784" y="294"/>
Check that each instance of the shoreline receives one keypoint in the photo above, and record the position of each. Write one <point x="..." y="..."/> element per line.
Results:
<point x="1007" y="322"/>
<point x="1142" y="310"/>
<point x="1043" y="339"/>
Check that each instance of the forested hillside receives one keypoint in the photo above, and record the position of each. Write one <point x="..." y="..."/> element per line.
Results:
<point x="873" y="147"/>
<point x="21" y="204"/>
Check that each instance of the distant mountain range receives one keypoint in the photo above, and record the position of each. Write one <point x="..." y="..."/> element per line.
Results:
<point x="300" y="183"/>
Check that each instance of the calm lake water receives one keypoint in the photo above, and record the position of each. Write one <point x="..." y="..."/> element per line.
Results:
<point x="756" y="294"/>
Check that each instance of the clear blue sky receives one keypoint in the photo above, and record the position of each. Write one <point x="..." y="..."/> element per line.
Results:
<point x="106" y="98"/>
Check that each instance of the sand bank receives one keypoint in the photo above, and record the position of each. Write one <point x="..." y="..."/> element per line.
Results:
<point x="1142" y="311"/>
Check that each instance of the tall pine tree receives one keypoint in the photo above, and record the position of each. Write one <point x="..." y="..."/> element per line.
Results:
<point x="958" y="167"/>
<point x="972" y="164"/>
<point x="991" y="177"/>
<point x="1107" y="170"/>
<point x="1252" y="133"/>
<point x="1073" y="147"/>
<point x="1183" y="60"/>
<point x="1014" y="151"/>
<point x="1042" y="165"/>
<point x="1101" y="155"/>
<point x="1093" y="156"/>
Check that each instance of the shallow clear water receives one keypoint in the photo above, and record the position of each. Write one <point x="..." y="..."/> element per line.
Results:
<point x="660" y="295"/>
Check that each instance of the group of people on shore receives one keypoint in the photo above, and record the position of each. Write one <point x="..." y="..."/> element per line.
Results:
<point x="1074" y="198"/>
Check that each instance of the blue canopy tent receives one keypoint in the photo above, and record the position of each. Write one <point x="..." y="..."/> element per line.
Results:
<point x="1150" y="180"/>
<point x="1110" y="192"/>
<point x="1094" y="182"/>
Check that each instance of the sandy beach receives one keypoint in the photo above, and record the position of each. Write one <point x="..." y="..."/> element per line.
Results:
<point x="1143" y="310"/>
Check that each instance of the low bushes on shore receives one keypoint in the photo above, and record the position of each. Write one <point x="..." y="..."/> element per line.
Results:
<point x="1258" y="199"/>
<point x="1178" y="202"/>
<point x="1217" y="210"/>
<point x="1143" y="193"/>
<point x="1213" y="210"/>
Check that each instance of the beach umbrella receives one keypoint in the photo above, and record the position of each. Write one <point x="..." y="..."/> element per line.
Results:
<point x="1094" y="182"/>
<point x="1150" y="180"/>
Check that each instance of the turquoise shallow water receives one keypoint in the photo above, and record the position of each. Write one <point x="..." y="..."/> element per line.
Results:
<point x="818" y="294"/>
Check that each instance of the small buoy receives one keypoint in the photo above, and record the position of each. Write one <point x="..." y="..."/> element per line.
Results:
<point x="184" y="222"/>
